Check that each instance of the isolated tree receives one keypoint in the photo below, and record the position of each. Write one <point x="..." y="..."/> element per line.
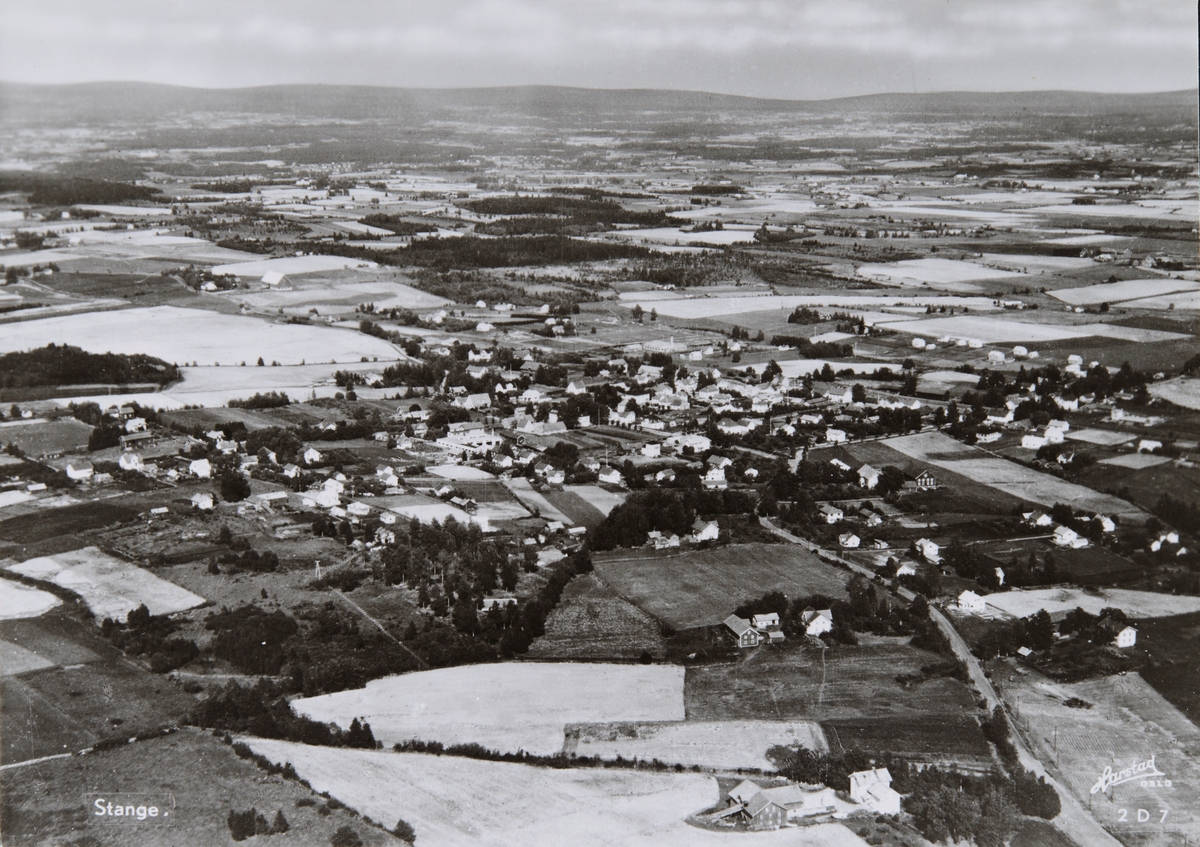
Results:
<point x="280" y="824"/>
<point x="345" y="837"/>
<point x="234" y="487"/>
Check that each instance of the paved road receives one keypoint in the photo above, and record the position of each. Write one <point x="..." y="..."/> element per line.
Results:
<point x="1074" y="820"/>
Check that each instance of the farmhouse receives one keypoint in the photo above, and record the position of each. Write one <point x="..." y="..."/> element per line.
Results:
<point x="202" y="500"/>
<point x="312" y="456"/>
<point x="743" y="632"/>
<point x="200" y="468"/>
<point x="873" y="788"/>
<point x="703" y="530"/>
<point x="929" y="550"/>
<point x="832" y="514"/>
<point x="79" y="470"/>
<point x="611" y="476"/>
<point x="849" y="540"/>
<point x="130" y="462"/>
<point x="817" y="621"/>
<point x="835" y="436"/>
<point x="797" y="801"/>
<point x="1064" y="536"/>
<point x="971" y="603"/>
<point x="1127" y="637"/>
<point x="868" y="477"/>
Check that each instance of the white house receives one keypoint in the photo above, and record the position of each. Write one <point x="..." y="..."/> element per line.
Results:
<point x="816" y="621"/>
<point x="835" y="436"/>
<point x="929" y="550"/>
<point x="873" y="788"/>
<point x="201" y="468"/>
<point x="832" y="514"/>
<point x="1147" y="445"/>
<point x="971" y="602"/>
<point x="611" y="476"/>
<point x="766" y="620"/>
<point x="79" y="470"/>
<point x="849" y="540"/>
<point x="130" y="462"/>
<point x="1033" y="442"/>
<point x="905" y="569"/>
<point x="703" y="530"/>
<point x="575" y="387"/>
<point x="1126" y="637"/>
<point x="1064" y="536"/>
<point x="868" y="477"/>
<point x="202" y="500"/>
<point x="651" y="451"/>
<point x="312" y="456"/>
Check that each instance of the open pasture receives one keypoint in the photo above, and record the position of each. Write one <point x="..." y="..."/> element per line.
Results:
<point x="672" y="235"/>
<point x="711" y="744"/>
<point x="38" y="437"/>
<point x="1182" y="391"/>
<point x="184" y="335"/>
<point x="23" y="601"/>
<point x="592" y="622"/>
<point x="451" y="801"/>
<point x="291" y="265"/>
<point x="703" y="587"/>
<point x="112" y="588"/>
<point x="1016" y="480"/>
<point x="815" y="683"/>
<point x="935" y="272"/>
<point x="1128" y="723"/>
<point x="1129" y="289"/>
<point x="509" y="706"/>
<point x="1136" y="604"/>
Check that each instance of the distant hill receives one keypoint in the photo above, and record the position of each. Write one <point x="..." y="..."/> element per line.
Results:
<point x="115" y="102"/>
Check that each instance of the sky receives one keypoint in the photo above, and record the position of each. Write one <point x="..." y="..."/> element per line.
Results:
<point x="793" y="49"/>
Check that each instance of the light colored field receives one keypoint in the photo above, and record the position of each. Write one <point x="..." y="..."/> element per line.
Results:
<point x="112" y="588"/>
<point x="291" y="265"/>
<point x="1129" y="722"/>
<point x="184" y="335"/>
<point x="459" y="472"/>
<point x="13" y="498"/>
<point x="802" y="367"/>
<point x="713" y="744"/>
<point x="703" y="587"/>
<point x="509" y="706"/>
<point x="1103" y="437"/>
<point x="1129" y="289"/>
<point x="501" y="510"/>
<point x="129" y="211"/>
<point x="950" y="376"/>
<point x="1094" y="238"/>
<point x="933" y="271"/>
<point x="383" y="293"/>
<point x="22" y="601"/>
<point x="451" y="801"/>
<point x="996" y="330"/>
<point x="1189" y="300"/>
<point x="15" y="659"/>
<point x="670" y="235"/>
<point x="1137" y="461"/>
<point x="1182" y="391"/>
<point x="1178" y="211"/>
<point x="943" y="451"/>
<point x="604" y="501"/>
<point x="717" y="307"/>
<point x="1136" y="604"/>
<point x="1036" y="263"/>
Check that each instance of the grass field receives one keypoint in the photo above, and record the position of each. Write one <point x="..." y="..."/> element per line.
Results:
<point x="934" y="272"/>
<point x="1128" y="289"/>
<point x="1182" y="391"/>
<point x="1174" y="645"/>
<point x="451" y="801"/>
<point x="715" y="744"/>
<point x="111" y="587"/>
<point x="55" y="523"/>
<point x="507" y="706"/>
<point x="1016" y="480"/>
<point x="1128" y="723"/>
<point x="592" y="622"/>
<point x="44" y="804"/>
<point x="185" y="335"/>
<point x="39" y="438"/>
<point x="796" y="683"/>
<point x="703" y="587"/>
<point x="949" y="738"/>
<point x="1136" y="604"/>
<point x="22" y="601"/>
<point x="74" y="690"/>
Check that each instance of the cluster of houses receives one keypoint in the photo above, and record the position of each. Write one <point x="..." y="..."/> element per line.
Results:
<point x="765" y="628"/>
<point x="758" y="808"/>
<point x="970" y="603"/>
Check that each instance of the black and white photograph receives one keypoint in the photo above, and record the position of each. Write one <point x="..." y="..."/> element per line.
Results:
<point x="615" y="423"/>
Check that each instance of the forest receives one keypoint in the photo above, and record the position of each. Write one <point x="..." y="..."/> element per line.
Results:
<point x="60" y="364"/>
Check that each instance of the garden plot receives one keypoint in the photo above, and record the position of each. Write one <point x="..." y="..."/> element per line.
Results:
<point x="111" y="588"/>
<point x="1137" y="461"/>
<point x="712" y="744"/>
<point x="935" y="272"/>
<point x="1136" y="604"/>
<point x="507" y="707"/>
<point x="451" y="801"/>
<point x="184" y="335"/>
<point x="21" y="601"/>
<point x="291" y="265"/>
<point x="592" y="622"/>
<point x="978" y="466"/>
<point x="1129" y="289"/>
<point x="535" y="502"/>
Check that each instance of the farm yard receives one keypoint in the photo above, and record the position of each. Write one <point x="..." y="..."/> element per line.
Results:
<point x="506" y="707"/>
<point x="1125" y="722"/>
<point x="37" y="814"/>
<point x="702" y="587"/>
<point x="1136" y="604"/>
<point x="712" y="744"/>
<point x="592" y="622"/>
<point x="192" y="335"/>
<point x="111" y="588"/>
<point x="451" y="801"/>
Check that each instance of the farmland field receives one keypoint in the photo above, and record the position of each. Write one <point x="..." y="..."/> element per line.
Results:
<point x="1136" y="604"/>
<point x="809" y="683"/>
<point x="714" y="744"/>
<point x="703" y="587"/>
<point x="183" y="335"/>
<point x="1129" y="289"/>
<point x="715" y="307"/>
<point x="592" y="622"/>
<point x="21" y="601"/>
<point x="1189" y="300"/>
<point x="1102" y="437"/>
<point x="977" y="465"/>
<point x="290" y="265"/>
<point x="598" y="498"/>
<point x="451" y="801"/>
<point x="112" y="588"/>
<point x="935" y="272"/>
<point x="943" y="737"/>
<point x="56" y="523"/>
<point x="346" y="294"/>
<point x="1136" y="461"/>
<point x="43" y="805"/>
<point x="40" y="437"/>
<point x="1128" y="723"/>
<point x="1183" y="391"/>
<point x="507" y="706"/>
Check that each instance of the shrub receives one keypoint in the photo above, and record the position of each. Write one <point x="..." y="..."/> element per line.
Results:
<point x="404" y="831"/>
<point x="345" y="837"/>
